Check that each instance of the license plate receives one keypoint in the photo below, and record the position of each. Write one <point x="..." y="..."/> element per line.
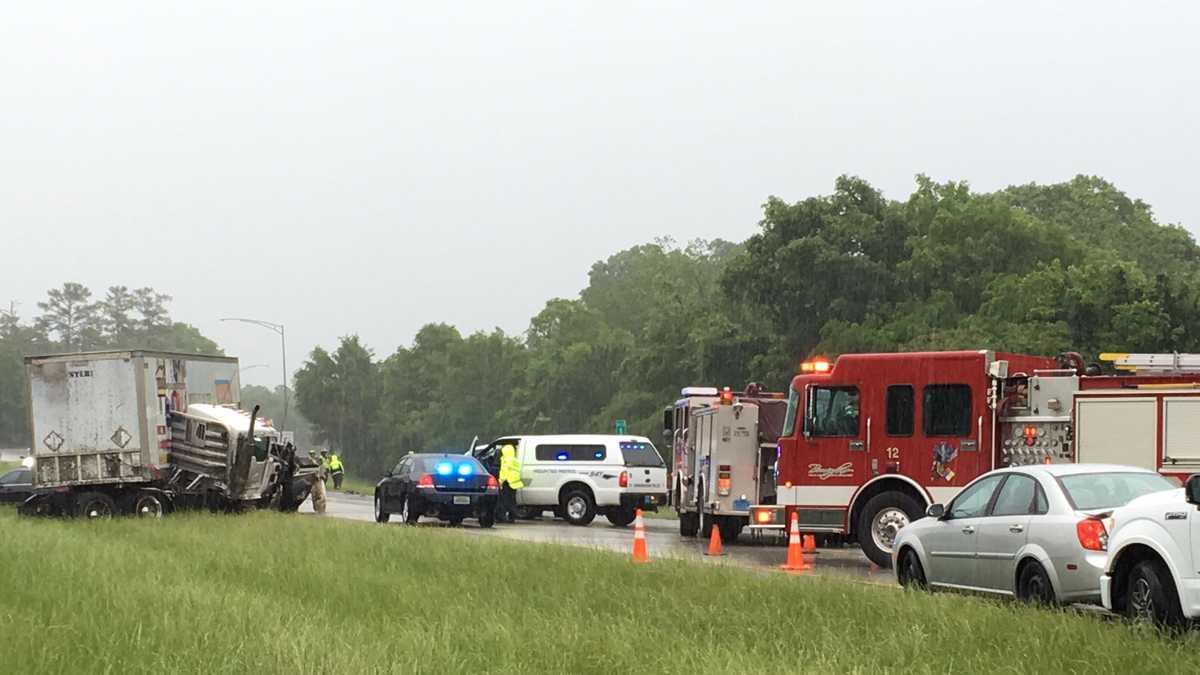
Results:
<point x="462" y="499"/>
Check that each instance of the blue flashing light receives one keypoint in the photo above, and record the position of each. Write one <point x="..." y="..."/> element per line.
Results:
<point x="562" y="457"/>
<point x="599" y="454"/>
<point x="444" y="468"/>
<point x="465" y="469"/>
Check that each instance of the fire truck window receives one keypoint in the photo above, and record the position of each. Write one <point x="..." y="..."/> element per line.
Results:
<point x="1016" y="497"/>
<point x="900" y="410"/>
<point x="834" y="411"/>
<point x="947" y="410"/>
<point x="789" y="420"/>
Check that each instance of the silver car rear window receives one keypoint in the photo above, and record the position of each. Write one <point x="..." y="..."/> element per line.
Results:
<point x="1088" y="491"/>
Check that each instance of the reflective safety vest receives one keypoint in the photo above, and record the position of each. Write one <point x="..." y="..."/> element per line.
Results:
<point x="510" y="469"/>
<point x="335" y="464"/>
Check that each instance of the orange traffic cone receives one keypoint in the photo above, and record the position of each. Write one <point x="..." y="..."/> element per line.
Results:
<point x="714" y="541"/>
<point x="639" y="539"/>
<point x="810" y="551"/>
<point x="795" y="553"/>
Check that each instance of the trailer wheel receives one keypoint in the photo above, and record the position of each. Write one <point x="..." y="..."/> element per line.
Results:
<point x="95" y="505"/>
<point x="144" y="504"/>
<point x="689" y="524"/>
<point x="881" y="518"/>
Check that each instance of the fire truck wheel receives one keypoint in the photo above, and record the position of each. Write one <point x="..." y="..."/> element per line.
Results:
<point x="881" y="518"/>
<point x="689" y="524"/>
<point x="578" y="507"/>
<point x="95" y="505"/>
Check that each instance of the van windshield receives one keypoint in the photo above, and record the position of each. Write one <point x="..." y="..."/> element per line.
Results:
<point x="641" y="453"/>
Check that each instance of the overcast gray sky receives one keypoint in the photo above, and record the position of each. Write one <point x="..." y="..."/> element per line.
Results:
<point x="368" y="167"/>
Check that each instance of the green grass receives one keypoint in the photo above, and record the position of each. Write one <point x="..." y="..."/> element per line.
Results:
<point x="271" y="593"/>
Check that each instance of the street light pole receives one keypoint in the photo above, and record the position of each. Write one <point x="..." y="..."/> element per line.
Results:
<point x="278" y="328"/>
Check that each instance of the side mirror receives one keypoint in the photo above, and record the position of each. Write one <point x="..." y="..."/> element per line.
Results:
<point x="936" y="511"/>
<point x="1192" y="489"/>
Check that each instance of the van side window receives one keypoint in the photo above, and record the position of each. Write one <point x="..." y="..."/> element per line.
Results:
<point x="833" y="411"/>
<point x="947" y="410"/>
<point x="570" y="453"/>
<point x="900" y="411"/>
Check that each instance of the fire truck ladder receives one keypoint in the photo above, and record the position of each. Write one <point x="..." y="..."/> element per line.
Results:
<point x="1154" y="363"/>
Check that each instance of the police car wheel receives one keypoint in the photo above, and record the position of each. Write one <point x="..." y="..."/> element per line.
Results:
<point x="410" y="515"/>
<point x="487" y="519"/>
<point x="381" y="516"/>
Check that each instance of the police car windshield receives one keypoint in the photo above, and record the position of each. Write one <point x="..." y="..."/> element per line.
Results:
<point x="640" y="453"/>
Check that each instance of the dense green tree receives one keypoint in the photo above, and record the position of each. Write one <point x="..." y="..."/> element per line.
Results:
<point x="69" y="315"/>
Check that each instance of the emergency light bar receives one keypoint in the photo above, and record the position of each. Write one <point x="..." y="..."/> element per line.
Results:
<point x="699" y="391"/>
<point x="818" y="366"/>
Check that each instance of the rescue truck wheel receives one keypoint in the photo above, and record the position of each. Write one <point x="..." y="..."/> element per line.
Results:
<point x="689" y="524"/>
<point x="94" y="505"/>
<point x="578" y="507"/>
<point x="706" y="526"/>
<point x="620" y="517"/>
<point x="730" y="528"/>
<point x="381" y="516"/>
<point x="1033" y="584"/>
<point x="881" y="518"/>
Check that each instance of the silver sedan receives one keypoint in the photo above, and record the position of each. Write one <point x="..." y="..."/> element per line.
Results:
<point x="1039" y="532"/>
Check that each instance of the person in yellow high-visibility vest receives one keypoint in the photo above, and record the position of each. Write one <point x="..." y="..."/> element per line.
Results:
<point x="510" y="482"/>
<point x="336" y="470"/>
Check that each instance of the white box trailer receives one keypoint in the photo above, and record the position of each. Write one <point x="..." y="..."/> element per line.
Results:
<point x="141" y="432"/>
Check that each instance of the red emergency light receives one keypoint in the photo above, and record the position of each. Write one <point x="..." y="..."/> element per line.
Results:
<point x="817" y="366"/>
<point x="726" y="396"/>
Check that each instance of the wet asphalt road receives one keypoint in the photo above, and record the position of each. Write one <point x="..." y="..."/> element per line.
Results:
<point x="662" y="540"/>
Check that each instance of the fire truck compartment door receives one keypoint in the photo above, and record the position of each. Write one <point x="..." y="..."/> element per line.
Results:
<point x="1117" y="431"/>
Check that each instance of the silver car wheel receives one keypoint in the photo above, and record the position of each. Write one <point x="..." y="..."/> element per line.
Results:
<point x="887" y="524"/>
<point x="1140" y="598"/>
<point x="576" y="507"/>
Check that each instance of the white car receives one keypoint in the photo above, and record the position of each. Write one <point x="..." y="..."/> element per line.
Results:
<point x="1154" y="553"/>
<point x="1037" y="532"/>
<point x="581" y="476"/>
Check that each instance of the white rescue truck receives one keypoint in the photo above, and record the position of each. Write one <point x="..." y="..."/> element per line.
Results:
<point x="724" y="447"/>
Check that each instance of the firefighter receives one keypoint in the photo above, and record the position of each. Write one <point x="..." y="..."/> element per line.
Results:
<point x="848" y="415"/>
<point x="336" y="470"/>
<point x="317" y="484"/>
<point x="510" y="482"/>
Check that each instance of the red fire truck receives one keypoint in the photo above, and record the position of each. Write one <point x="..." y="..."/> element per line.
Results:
<point x="870" y="441"/>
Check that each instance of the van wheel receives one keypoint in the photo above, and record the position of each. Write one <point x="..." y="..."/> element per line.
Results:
<point x="882" y="517"/>
<point x="621" y="517"/>
<point x="689" y="524"/>
<point x="578" y="507"/>
<point x="95" y="505"/>
<point x="1152" y="596"/>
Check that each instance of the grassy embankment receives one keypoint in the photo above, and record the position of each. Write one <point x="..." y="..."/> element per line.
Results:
<point x="269" y="593"/>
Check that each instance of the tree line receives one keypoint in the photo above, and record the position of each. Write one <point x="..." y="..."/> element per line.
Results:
<point x="1043" y="269"/>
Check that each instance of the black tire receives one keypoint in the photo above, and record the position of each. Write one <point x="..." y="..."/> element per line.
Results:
<point x="1151" y="595"/>
<point x="487" y="519"/>
<point x="620" y="517"/>
<point x="144" y="504"/>
<point x="689" y="524"/>
<point x="94" y="506"/>
<point x="579" y="508"/>
<point x="730" y="528"/>
<point x="381" y="514"/>
<point x="1033" y="585"/>
<point x="889" y="511"/>
<point x="412" y="512"/>
<point x="911" y="574"/>
<point x="455" y="521"/>
<point x="706" y="526"/>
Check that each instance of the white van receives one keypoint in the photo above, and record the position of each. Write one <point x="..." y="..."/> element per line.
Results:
<point x="579" y="476"/>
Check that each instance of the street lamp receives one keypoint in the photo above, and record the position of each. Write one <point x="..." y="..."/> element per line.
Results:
<point x="278" y="328"/>
<point x="256" y="365"/>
